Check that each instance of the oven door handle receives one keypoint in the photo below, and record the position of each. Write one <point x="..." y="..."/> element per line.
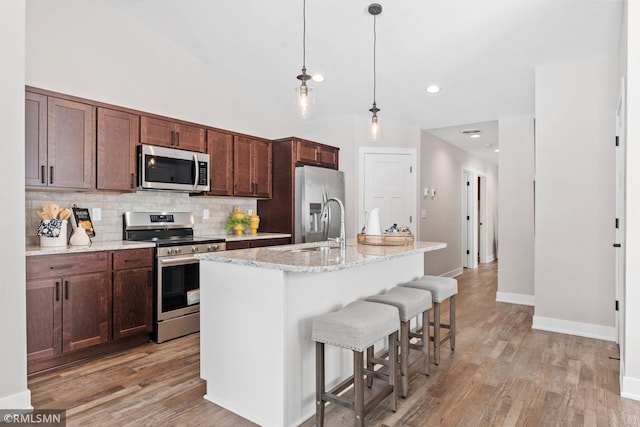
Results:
<point x="179" y="261"/>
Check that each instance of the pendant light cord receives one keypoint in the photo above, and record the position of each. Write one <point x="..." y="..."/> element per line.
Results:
<point x="374" y="58"/>
<point x="304" y="32"/>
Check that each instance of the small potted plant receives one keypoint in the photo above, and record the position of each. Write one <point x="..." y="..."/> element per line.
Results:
<point x="237" y="221"/>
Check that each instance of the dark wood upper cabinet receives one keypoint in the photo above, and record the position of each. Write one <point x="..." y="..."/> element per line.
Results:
<point x="277" y="214"/>
<point x="71" y="137"/>
<point x="116" y="153"/>
<point x="35" y="140"/>
<point x="59" y="145"/>
<point x="171" y="134"/>
<point x="313" y="153"/>
<point x="251" y="167"/>
<point x="220" y="149"/>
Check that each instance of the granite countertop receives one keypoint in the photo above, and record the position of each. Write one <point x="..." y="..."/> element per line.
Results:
<point x="233" y="238"/>
<point x="116" y="245"/>
<point x="302" y="258"/>
<point x="95" y="246"/>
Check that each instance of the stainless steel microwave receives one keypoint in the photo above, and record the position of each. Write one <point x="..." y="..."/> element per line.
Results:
<point x="161" y="168"/>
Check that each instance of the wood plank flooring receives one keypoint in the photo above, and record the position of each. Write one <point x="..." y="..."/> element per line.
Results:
<point x="502" y="373"/>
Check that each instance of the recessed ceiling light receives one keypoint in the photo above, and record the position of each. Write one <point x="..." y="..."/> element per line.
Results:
<point x="433" y="89"/>
<point x="318" y="78"/>
<point x="475" y="135"/>
<point x="496" y="150"/>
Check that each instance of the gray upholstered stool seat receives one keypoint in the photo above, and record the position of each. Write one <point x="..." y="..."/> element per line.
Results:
<point x="441" y="288"/>
<point x="410" y="303"/>
<point x="356" y="327"/>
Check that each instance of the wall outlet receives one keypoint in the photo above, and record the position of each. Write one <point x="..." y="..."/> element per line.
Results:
<point x="205" y="214"/>
<point x="425" y="192"/>
<point x="96" y="214"/>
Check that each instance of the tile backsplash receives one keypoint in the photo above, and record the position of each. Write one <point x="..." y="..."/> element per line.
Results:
<point x="114" y="205"/>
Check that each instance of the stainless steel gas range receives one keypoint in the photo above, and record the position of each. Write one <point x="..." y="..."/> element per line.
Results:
<point x="177" y="278"/>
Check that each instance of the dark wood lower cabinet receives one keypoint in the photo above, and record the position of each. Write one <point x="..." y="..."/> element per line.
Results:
<point x="83" y="305"/>
<point x="257" y="243"/>
<point x="132" y="302"/>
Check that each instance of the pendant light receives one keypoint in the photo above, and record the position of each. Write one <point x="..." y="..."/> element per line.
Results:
<point x="304" y="99"/>
<point x="375" y="128"/>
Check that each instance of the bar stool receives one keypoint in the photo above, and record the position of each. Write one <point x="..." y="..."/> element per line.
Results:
<point x="441" y="288"/>
<point x="356" y="327"/>
<point x="410" y="303"/>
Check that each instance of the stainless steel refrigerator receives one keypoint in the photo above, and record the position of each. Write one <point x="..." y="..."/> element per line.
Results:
<point x="314" y="186"/>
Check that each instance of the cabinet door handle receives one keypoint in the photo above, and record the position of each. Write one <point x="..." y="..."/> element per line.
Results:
<point x="50" y="174"/>
<point x="66" y="289"/>
<point x="133" y="260"/>
<point x="43" y="171"/>
<point x="57" y="291"/>
<point x="177" y="139"/>
<point x="133" y="180"/>
<point x="256" y="189"/>
<point x="173" y="138"/>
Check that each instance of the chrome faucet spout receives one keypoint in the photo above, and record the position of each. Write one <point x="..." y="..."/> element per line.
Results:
<point x="342" y="239"/>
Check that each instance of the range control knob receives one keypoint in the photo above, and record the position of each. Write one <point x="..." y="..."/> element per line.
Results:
<point x="194" y="249"/>
<point x="169" y="251"/>
<point x="178" y="250"/>
<point x="212" y="248"/>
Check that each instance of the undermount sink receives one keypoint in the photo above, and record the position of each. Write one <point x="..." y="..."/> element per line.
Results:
<point x="322" y="247"/>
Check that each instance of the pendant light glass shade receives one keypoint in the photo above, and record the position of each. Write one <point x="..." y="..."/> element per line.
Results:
<point x="304" y="99"/>
<point x="375" y="127"/>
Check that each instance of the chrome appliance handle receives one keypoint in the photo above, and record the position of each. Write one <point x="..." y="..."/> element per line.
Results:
<point x="195" y="159"/>
<point x="178" y="261"/>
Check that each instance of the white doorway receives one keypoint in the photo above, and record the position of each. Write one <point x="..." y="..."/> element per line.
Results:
<point x="469" y="192"/>
<point x="620" y="222"/>
<point x="475" y="239"/>
<point x="388" y="180"/>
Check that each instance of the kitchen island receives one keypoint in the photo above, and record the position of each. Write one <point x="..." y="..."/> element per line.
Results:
<point x="256" y="312"/>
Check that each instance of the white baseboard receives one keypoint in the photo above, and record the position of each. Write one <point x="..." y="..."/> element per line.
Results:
<point x="588" y="330"/>
<point x="20" y="400"/>
<point x="453" y="273"/>
<point x="489" y="258"/>
<point x="520" y="299"/>
<point x="630" y="388"/>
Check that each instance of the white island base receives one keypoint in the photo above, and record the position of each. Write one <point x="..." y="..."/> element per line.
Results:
<point x="257" y="356"/>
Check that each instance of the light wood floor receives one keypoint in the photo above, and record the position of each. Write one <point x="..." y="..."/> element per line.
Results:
<point x="502" y="373"/>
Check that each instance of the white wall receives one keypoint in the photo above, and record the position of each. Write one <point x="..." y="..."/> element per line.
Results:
<point x="631" y="369"/>
<point x="13" y="360"/>
<point x="515" y="210"/>
<point x="575" y="204"/>
<point x="441" y="168"/>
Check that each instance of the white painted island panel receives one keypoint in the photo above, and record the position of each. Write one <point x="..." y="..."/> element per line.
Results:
<point x="255" y="334"/>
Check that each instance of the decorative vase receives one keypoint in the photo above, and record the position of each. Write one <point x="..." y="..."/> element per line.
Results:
<point x="254" y="221"/>
<point x="80" y="237"/>
<point x="239" y="229"/>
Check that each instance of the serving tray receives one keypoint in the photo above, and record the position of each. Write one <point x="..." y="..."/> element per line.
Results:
<point x="387" y="239"/>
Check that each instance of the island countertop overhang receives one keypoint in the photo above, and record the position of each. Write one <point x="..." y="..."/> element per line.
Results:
<point x="299" y="258"/>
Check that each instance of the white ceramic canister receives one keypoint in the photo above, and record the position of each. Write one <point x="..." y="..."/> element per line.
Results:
<point x="60" y="240"/>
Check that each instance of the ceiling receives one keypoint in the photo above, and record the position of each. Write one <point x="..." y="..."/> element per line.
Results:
<point x="482" y="54"/>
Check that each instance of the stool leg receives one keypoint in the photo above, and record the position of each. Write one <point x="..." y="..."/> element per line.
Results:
<point x="358" y="381"/>
<point x="393" y="360"/>
<point x="436" y="332"/>
<point x="404" y="357"/>
<point x="319" y="384"/>
<point x="370" y="366"/>
<point x="452" y="322"/>
<point x="425" y="340"/>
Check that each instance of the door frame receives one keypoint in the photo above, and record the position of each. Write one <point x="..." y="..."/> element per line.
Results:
<point x="483" y="244"/>
<point x="620" y="208"/>
<point x="412" y="152"/>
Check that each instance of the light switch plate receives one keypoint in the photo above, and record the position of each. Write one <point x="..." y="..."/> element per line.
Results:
<point x="96" y="214"/>
<point x="423" y="213"/>
<point x="205" y="214"/>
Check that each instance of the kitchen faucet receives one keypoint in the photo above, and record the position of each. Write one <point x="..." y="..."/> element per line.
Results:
<point x="342" y="239"/>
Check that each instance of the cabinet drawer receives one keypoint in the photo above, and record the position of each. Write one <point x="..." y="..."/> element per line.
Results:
<point x="61" y="265"/>
<point x="132" y="258"/>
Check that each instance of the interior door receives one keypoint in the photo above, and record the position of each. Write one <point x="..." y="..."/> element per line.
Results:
<point x="389" y="184"/>
<point x="619" y="246"/>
